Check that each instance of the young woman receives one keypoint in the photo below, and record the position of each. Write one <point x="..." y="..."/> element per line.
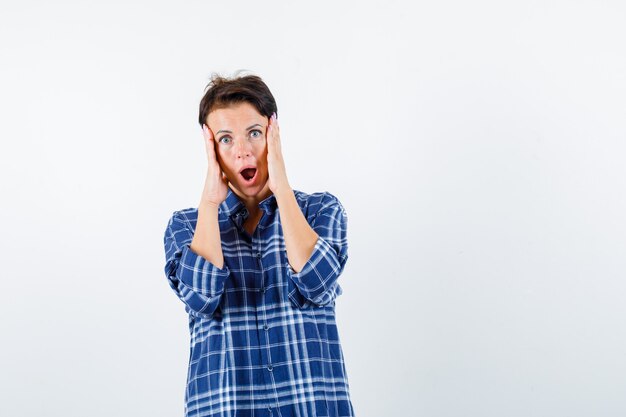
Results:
<point x="257" y="266"/>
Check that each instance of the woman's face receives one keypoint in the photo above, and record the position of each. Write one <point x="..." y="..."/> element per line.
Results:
<point x="241" y="146"/>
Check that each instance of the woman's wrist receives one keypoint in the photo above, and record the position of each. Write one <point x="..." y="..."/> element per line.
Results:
<point x="285" y="191"/>
<point x="207" y="205"/>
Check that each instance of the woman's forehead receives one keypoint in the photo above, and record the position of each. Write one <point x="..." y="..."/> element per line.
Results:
<point x="240" y="115"/>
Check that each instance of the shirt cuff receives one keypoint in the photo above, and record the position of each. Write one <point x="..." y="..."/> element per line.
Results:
<point x="319" y="272"/>
<point x="201" y="275"/>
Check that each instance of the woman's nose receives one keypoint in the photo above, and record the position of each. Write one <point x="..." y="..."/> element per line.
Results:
<point x="243" y="149"/>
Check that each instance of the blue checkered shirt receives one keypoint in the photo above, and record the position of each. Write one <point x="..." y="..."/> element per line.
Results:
<point x="264" y="339"/>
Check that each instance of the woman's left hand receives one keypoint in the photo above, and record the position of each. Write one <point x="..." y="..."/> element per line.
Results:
<point x="276" y="164"/>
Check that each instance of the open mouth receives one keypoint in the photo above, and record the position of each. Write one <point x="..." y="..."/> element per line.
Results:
<point x="248" y="174"/>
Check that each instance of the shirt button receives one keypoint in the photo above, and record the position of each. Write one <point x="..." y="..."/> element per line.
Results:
<point x="263" y="290"/>
<point x="265" y="327"/>
<point x="270" y="367"/>
<point x="258" y="255"/>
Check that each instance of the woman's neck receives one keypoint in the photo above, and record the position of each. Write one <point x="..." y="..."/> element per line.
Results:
<point x="252" y="202"/>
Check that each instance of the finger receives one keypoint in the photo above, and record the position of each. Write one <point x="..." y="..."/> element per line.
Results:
<point x="209" y="142"/>
<point x="271" y="137"/>
<point x="275" y="133"/>
<point x="268" y="131"/>
<point x="206" y="132"/>
<point x="276" y="129"/>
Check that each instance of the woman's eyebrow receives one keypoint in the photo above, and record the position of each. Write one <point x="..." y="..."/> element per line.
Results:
<point x="228" y="131"/>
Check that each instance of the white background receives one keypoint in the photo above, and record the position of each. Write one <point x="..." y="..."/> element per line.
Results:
<point x="478" y="148"/>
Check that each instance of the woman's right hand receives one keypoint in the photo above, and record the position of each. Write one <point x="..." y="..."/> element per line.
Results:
<point x="216" y="183"/>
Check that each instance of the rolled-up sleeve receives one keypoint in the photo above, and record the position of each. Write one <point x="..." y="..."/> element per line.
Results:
<point x="195" y="280"/>
<point x="317" y="281"/>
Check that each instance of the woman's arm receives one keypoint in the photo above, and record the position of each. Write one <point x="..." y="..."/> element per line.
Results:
<point x="317" y="280"/>
<point x="300" y="238"/>
<point x="317" y="252"/>
<point x="194" y="262"/>
<point x="207" y="241"/>
<point x="195" y="280"/>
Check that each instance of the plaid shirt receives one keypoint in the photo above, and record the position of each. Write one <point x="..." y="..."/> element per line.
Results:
<point x="264" y="340"/>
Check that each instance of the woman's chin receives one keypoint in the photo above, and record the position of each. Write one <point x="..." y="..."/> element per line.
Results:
<point x="252" y="188"/>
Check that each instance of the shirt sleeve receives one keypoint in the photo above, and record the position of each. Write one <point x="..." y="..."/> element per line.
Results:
<point x="195" y="280"/>
<point x="317" y="281"/>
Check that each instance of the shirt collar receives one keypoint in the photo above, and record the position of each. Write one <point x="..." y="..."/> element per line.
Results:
<point x="233" y="206"/>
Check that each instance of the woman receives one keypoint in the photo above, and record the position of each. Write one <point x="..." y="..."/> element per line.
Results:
<point x="256" y="265"/>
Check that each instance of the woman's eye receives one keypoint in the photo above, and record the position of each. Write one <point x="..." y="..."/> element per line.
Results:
<point x="256" y="134"/>
<point x="223" y="139"/>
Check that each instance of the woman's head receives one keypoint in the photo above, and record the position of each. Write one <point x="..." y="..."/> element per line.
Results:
<point x="237" y="112"/>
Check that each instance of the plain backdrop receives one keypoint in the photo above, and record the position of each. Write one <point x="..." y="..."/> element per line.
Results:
<point x="478" y="148"/>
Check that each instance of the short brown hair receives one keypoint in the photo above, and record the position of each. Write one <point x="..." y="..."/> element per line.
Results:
<point x="222" y="92"/>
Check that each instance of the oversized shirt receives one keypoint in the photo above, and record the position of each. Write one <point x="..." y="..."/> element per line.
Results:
<point x="263" y="338"/>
